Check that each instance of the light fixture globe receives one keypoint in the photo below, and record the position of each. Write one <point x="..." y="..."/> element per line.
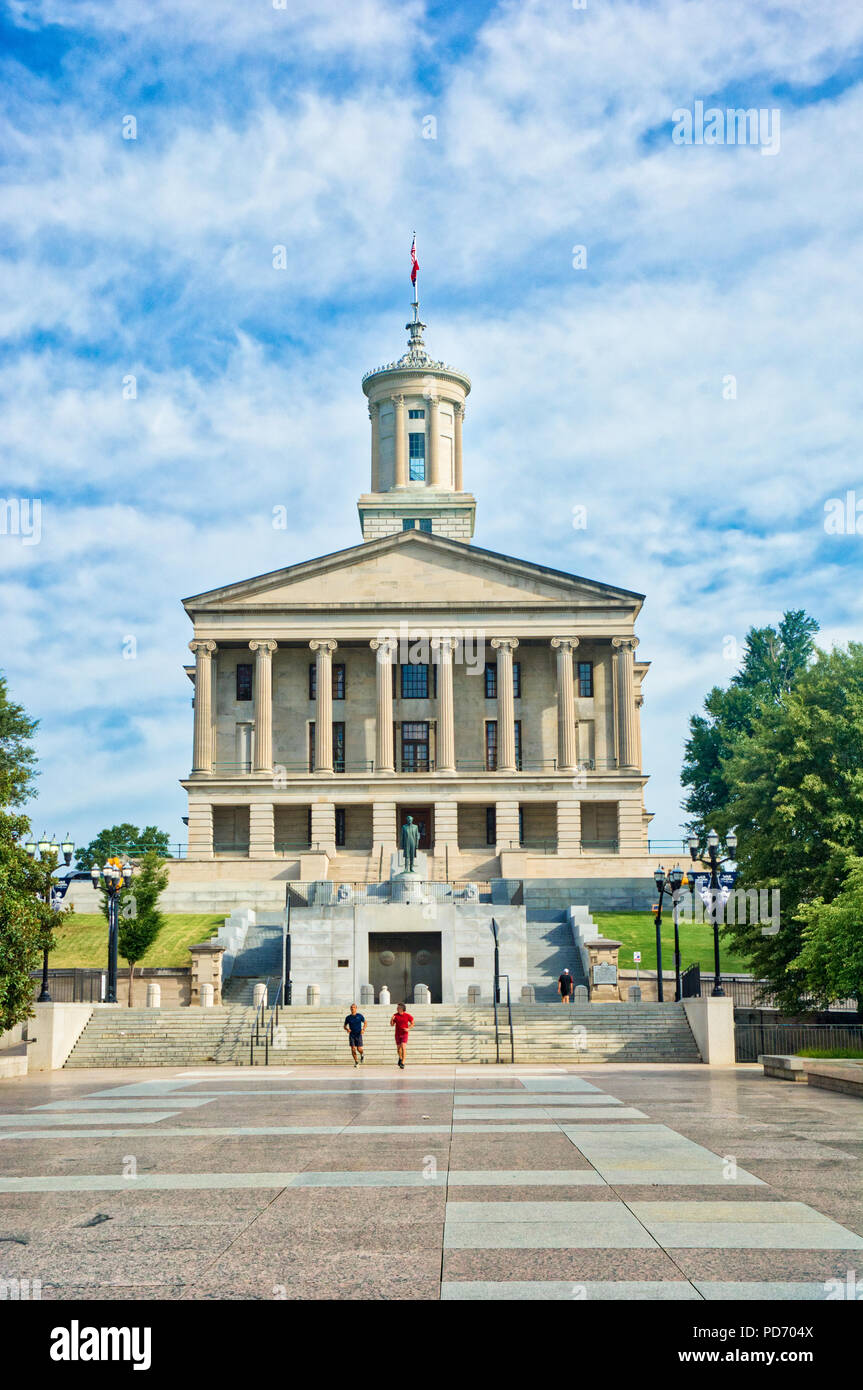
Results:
<point x="731" y="842"/>
<point x="30" y="849"/>
<point x="659" y="878"/>
<point x="675" y="878"/>
<point x="712" y="840"/>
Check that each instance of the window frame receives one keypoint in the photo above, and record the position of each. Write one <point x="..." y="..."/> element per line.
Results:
<point x="588" y="680"/>
<point x="247" y="667"/>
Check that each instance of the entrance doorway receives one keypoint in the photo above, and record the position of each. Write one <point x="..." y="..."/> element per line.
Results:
<point x="423" y="817"/>
<point x="403" y="960"/>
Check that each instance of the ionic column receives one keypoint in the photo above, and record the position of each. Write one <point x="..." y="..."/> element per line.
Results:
<point x="374" y="416"/>
<point x="567" y="744"/>
<point x="323" y="649"/>
<point x="202" y="754"/>
<point x="401" y="442"/>
<point x="505" y="646"/>
<point x="445" y="760"/>
<point x="458" y="479"/>
<point x="385" y="649"/>
<point x="263" y="703"/>
<point x="627" y="734"/>
<point x="433" y="440"/>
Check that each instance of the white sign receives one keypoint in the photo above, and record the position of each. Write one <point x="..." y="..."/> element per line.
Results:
<point x="636" y="956"/>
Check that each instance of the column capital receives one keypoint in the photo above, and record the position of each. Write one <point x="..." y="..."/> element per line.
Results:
<point x="323" y="644"/>
<point x="263" y="645"/>
<point x="459" y="409"/>
<point x="398" y="398"/>
<point x="202" y="645"/>
<point x="504" y="643"/>
<point x="384" y="645"/>
<point x="374" y="407"/>
<point x="565" y="643"/>
<point x="431" y="397"/>
<point x="625" y="643"/>
<point x="444" y="645"/>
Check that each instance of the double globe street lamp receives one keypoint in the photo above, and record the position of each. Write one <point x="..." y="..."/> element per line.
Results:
<point x="48" y="847"/>
<point x="715" y="896"/>
<point x="671" y="885"/>
<point x="113" y="879"/>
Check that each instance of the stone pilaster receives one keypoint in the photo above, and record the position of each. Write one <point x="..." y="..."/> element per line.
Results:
<point x="324" y="826"/>
<point x="506" y="826"/>
<point x="445" y="759"/>
<point x="384" y="835"/>
<point x="400" y="442"/>
<point x="262" y="830"/>
<point x="445" y="836"/>
<point x="323" y="649"/>
<point x="567" y="734"/>
<point x="458" y="463"/>
<point x="569" y="827"/>
<point x="627" y="744"/>
<point x="384" y="649"/>
<point x="374" y="416"/>
<point x="505" y="646"/>
<point x="433" y="440"/>
<point x="263" y="650"/>
<point x="202" y="757"/>
<point x="200" y="830"/>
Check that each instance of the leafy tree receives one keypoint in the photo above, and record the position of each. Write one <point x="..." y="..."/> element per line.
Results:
<point x="17" y="758"/>
<point x="832" y="956"/>
<point x="125" y="839"/>
<point x="24" y="919"/>
<point x="140" y="920"/>
<point x="797" y="804"/>
<point x="773" y="660"/>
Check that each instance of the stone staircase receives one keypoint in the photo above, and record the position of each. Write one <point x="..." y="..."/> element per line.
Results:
<point x="118" y="1037"/>
<point x="450" y="1034"/>
<point x="259" y="960"/>
<point x="550" y="948"/>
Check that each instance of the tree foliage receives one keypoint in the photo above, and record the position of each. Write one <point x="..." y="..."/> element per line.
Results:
<point x="773" y="660"/>
<point x="24" y="919"/>
<point x="124" y="840"/>
<point x="140" y="920"/>
<point x="796" y="800"/>
<point x="831" y="958"/>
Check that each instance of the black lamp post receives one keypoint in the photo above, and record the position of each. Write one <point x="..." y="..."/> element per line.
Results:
<point x="48" y="847"/>
<point x="113" y="880"/>
<point x="672" y="886"/>
<point x="715" y="864"/>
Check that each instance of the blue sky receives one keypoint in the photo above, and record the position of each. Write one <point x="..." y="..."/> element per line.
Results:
<point x="604" y="386"/>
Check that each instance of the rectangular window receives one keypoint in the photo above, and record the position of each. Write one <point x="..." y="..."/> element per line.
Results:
<point x="415" y="682"/>
<point x="244" y="682"/>
<point x="521" y="825"/>
<point x="491" y="745"/>
<point x="416" y="458"/>
<point x="416" y="415"/>
<point x="491" y="825"/>
<point x="415" y="747"/>
<point x="339" y="683"/>
<point x="408" y="523"/>
<point x="518" y="744"/>
<point x="585" y="679"/>
<point x="425" y="523"/>
<point x="338" y="747"/>
<point x="340" y="831"/>
<point x="491" y="680"/>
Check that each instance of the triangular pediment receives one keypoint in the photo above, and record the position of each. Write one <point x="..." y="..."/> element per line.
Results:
<point x="412" y="569"/>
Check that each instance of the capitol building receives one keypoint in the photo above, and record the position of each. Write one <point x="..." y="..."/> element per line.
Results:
<point x="495" y="700"/>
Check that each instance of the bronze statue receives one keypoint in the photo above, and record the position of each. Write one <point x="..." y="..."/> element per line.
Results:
<point x="410" y="843"/>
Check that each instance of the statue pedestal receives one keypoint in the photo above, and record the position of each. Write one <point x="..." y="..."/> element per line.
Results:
<point x="420" y="869"/>
<point x="407" y="888"/>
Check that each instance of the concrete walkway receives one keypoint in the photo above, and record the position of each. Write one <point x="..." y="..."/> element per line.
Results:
<point x="437" y="1182"/>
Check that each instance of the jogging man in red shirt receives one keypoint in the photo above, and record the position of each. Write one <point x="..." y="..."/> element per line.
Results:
<point x="402" y="1021"/>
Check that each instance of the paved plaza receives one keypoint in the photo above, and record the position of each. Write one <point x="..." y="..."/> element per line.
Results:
<point x="458" y="1182"/>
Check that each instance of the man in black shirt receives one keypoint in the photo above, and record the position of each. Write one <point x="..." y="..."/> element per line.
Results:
<point x="564" y="986"/>
<point x="355" y="1026"/>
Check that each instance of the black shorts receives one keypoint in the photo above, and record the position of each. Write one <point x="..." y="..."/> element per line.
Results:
<point x="355" y="1039"/>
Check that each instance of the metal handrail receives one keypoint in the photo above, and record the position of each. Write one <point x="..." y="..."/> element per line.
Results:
<point x="509" y="1015"/>
<point x="267" y="1014"/>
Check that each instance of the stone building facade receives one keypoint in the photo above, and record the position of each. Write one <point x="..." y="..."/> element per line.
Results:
<point x="496" y="700"/>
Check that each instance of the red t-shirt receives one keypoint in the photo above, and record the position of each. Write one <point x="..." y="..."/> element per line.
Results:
<point x="402" y="1024"/>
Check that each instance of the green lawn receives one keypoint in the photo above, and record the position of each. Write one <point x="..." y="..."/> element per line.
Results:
<point x="637" y="932"/>
<point x="854" y="1053"/>
<point x="83" y="939"/>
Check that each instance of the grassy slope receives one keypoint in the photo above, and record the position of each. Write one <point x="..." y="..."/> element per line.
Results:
<point x="637" y="932"/>
<point x="83" y="939"/>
